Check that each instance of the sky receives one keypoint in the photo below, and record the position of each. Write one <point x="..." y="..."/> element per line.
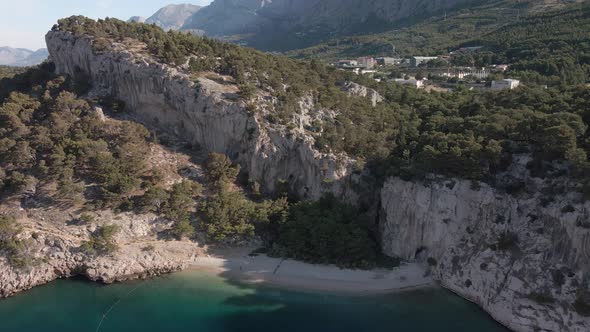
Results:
<point x="23" y="23"/>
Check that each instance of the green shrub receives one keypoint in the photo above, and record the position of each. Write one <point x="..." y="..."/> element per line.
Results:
<point x="102" y="241"/>
<point x="582" y="303"/>
<point x="228" y="215"/>
<point x="14" y="249"/>
<point x="221" y="169"/>
<point x="543" y="297"/>
<point x="86" y="219"/>
<point x="507" y="241"/>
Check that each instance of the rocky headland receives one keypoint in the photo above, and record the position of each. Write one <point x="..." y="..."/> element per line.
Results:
<point x="522" y="257"/>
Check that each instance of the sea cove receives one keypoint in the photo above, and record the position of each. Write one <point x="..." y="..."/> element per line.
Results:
<point x="198" y="301"/>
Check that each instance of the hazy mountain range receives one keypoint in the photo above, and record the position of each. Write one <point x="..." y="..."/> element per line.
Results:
<point x="289" y="24"/>
<point x="22" y="57"/>
<point x="169" y="17"/>
<point x="282" y="25"/>
<point x="223" y="17"/>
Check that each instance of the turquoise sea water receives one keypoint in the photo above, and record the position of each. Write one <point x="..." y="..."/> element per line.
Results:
<point x="194" y="301"/>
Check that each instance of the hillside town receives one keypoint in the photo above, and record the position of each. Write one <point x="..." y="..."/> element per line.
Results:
<point x="432" y="72"/>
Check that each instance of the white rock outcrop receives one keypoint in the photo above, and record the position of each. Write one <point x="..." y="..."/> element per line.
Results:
<point x="355" y="89"/>
<point x="523" y="262"/>
<point x="56" y="252"/>
<point x="206" y="113"/>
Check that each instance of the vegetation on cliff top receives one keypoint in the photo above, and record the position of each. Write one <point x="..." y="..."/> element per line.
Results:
<point x="58" y="149"/>
<point x="412" y="133"/>
<point x="51" y="137"/>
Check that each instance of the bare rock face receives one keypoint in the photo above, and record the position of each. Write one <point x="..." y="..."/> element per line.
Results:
<point x="56" y="252"/>
<point x="523" y="262"/>
<point x="208" y="114"/>
<point x="358" y="90"/>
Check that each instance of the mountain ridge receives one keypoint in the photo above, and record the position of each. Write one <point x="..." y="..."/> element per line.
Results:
<point x="22" y="57"/>
<point x="265" y="24"/>
<point x="172" y="16"/>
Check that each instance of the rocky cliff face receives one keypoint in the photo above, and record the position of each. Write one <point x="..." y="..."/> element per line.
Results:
<point x="524" y="258"/>
<point x="521" y="258"/>
<point x="55" y="248"/>
<point x="209" y="114"/>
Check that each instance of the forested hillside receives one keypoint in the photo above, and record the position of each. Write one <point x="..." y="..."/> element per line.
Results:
<point x="281" y="25"/>
<point x="551" y="47"/>
<point x="538" y="38"/>
<point x="60" y="151"/>
<point x="412" y="133"/>
<point x="52" y="137"/>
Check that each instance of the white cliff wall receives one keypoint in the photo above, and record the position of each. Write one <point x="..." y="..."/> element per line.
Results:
<point x="458" y="230"/>
<point x="207" y="114"/>
<point x="457" y="227"/>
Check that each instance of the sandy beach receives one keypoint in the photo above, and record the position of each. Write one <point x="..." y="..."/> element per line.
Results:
<point x="237" y="265"/>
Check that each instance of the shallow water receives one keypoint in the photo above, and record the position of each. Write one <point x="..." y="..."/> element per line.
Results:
<point x="196" y="301"/>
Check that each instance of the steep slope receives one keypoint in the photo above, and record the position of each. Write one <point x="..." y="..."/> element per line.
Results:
<point x="440" y="33"/>
<point x="207" y="114"/>
<point x="491" y="242"/>
<point x="20" y="57"/>
<point x="265" y="24"/>
<point x="524" y="261"/>
<point x="172" y="16"/>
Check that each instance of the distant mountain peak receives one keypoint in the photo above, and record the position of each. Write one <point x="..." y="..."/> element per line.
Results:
<point x="282" y="24"/>
<point x="22" y="57"/>
<point x="173" y="16"/>
<point x="137" y="19"/>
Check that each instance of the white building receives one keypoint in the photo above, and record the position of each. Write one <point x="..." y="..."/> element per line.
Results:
<point x="479" y="74"/>
<point x="505" y="84"/>
<point x="366" y="62"/>
<point x="418" y="84"/>
<point x="418" y="60"/>
<point x="387" y="61"/>
<point x="346" y="63"/>
<point x="360" y="71"/>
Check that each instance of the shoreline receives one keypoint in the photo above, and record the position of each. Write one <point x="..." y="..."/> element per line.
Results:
<point x="238" y="266"/>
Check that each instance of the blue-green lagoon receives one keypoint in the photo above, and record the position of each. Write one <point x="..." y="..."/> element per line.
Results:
<point x="197" y="301"/>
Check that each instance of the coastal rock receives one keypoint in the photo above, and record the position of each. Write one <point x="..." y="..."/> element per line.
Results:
<point x="57" y="254"/>
<point x="523" y="261"/>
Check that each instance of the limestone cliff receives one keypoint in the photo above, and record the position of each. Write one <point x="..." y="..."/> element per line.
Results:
<point x="523" y="259"/>
<point x="55" y="248"/>
<point x="209" y="114"/>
